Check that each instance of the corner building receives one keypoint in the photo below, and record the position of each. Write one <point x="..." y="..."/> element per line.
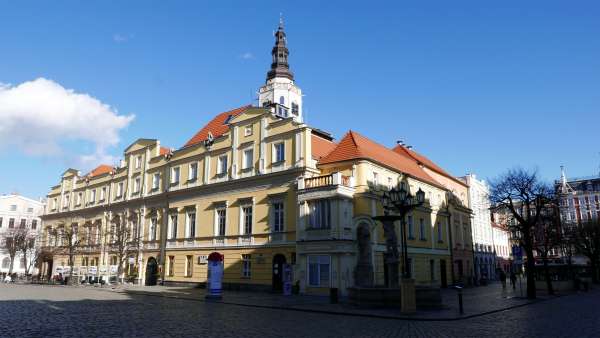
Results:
<point x="259" y="186"/>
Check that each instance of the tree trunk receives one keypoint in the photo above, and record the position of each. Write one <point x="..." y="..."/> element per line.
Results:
<point x="10" y="267"/>
<point x="547" y="275"/>
<point x="531" y="292"/>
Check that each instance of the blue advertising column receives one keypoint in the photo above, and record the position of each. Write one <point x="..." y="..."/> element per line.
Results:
<point x="287" y="279"/>
<point x="214" y="280"/>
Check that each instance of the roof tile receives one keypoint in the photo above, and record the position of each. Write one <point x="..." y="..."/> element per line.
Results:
<point x="216" y="126"/>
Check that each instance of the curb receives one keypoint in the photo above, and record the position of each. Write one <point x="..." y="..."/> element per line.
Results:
<point x="339" y="313"/>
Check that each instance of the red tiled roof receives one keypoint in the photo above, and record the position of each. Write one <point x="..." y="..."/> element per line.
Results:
<point x="164" y="150"/>
<point x="216" y="126"/>
<point x="355" y="146"/>
<point x="425" y="162"/>
<point x="101" y="169"/>
<point x="320" y="147"/>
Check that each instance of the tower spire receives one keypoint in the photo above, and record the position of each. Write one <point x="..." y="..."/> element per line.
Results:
<point x="280" y="66"/>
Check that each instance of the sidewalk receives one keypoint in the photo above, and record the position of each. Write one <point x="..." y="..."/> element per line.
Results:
<point x="477" y="301"/>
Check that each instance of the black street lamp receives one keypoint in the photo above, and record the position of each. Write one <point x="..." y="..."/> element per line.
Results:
<point x="397" y="200"/>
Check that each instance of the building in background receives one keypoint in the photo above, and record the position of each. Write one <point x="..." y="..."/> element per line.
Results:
<point x="266" y="191"/>
<point x="481" y="224"/>
<point x="502" y="247"/>
<point x="19" y="214"/>
<point x="579" y="198"/>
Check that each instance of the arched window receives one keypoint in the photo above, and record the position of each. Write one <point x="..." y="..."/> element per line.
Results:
<point x="282" y="100"/>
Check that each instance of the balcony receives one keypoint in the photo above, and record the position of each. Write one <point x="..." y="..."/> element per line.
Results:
<point x="325" y="186"/>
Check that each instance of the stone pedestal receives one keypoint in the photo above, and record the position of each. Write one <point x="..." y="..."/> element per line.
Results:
<point x="408" y="297"/>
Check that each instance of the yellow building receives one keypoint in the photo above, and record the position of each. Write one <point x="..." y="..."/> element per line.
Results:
<point x="255" y="184"/>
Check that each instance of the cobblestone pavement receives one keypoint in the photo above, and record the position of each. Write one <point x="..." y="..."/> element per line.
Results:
<point x="57" y="311"/>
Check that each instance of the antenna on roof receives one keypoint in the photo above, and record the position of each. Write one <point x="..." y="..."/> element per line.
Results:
<point x="409" y="147"/>
<point x="400" y="142"/>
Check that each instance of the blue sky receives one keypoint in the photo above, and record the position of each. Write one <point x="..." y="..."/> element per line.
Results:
<point x="477" y="86"/>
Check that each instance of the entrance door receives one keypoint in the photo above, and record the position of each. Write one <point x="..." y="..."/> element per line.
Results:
<point x="151" y="271"/>
<point x="49" y="267"/>
<point x="278" y="262"/>
<point x="443" y="277"/>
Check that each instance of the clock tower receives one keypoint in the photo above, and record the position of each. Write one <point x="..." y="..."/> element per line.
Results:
<point x="279" y="91"/>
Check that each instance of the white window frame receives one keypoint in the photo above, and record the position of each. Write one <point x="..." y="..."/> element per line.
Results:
<point x="152" y="229"/>
<point x="138" y="162"/>
<point x="319" y="263"/>
<point x="120" y="189"/>
<point x="175" y="175"/>
<point x="245" y="157"/>
<point x="246" y="265"/>
<point x="316" y="217"/>
<point x="189" y="227"/>
<point x="218" y="222"/>
<point x="173" y="220"/>
<point x="422" y="229"/>
<point x="155" y="181"/>
<point x="278" y="217"/>
<point x="245" y="219"/>
<point x="137" y="184"/>
<point x="222" y="165"/>
<point x="193" y="171"/>
<point x="278" y="157"/>
<point x="93" y="196"/>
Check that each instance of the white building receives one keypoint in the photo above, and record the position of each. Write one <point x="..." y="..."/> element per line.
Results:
<point x="18" y="213"/>
<point x="502" y="247"/>
<point x="481" y="224"/>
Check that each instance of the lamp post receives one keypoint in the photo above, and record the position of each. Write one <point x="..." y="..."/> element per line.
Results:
<point x="397" y="200"/>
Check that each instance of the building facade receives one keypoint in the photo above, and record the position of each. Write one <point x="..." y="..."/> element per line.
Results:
<point x="483" y="232"/>
<point x="266" y="191"/>
<point x="19" y="214"/>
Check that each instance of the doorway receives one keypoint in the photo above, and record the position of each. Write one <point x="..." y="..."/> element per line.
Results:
<point x="443" y="278"/>
<point x="278" y="262"/>
<point x="151" y="271"/>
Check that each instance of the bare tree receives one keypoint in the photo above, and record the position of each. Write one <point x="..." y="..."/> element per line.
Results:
<point x="524" y="195"/>
<point x="12" y="243"/>
<point x="123" y="240"/>
<point x="70" y="239"/>
<point x="548" y="237"/>
<point x="26" y="246"/>
<point x="587" y="243"/>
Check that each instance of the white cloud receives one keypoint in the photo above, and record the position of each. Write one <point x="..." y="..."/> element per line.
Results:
<point x="39" y="116"/>
<point x="247" y="56"/>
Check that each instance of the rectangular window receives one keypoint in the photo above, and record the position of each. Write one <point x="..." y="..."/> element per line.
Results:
<point x="93" y="196"/>
<point x="120" y="189"/>
<point x="421" y="229"/>
<point x="375" y="178"/>
<point x="279" y="152"/>
<point x="173" y="227"/>
<point x="278" y="216"/>
<point x="320" y="214"/>
<point x="79" y="198"/>
<point x="138" y="162"/>
<point x="152" y="229"/>
<point x="318" y="270"/>
<point x="246" y="266"/>
<point x="13" y="207"/>
<point x="0" y="222"/>
<point x="221" y="219"/>
<point x="175" y="175"/>
<point x="171" y="268"/>
<point x="103" y="193"/>
<point x="411" y="229"/>
<point x="23" y="222"/>
<point x="11" y="223"/>
<point x="193" y="174"/>
<point x="248" y="158"/>
<point x="137" y="183"/>
<point x="66" y="201"/>
<point x="155" y="181"/>
<point x="190" y="232"/>
<point x="247" y="218"/>
<point x="189" y="263"/>
<point x="222" y="165"/>
<point x="439" y="232"/>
